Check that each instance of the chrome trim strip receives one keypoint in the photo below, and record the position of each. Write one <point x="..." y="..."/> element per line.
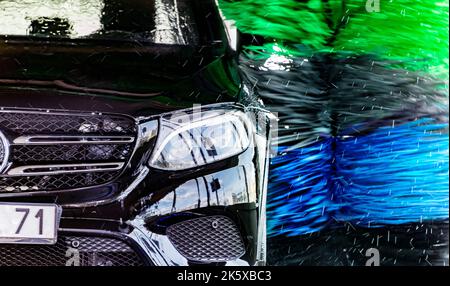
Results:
<point x="62" y="112"/>
<point x="121" y="197"/>
<point x="86" y="168"/>
<point x="62" y="139"/>
<point x="5" y="160"/>
<point x="50" y="112"/>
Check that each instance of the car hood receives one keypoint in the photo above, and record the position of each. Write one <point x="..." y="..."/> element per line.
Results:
<point x="138" y="83"/>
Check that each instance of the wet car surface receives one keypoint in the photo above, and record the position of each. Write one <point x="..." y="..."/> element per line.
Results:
<point x="86" y="107"/>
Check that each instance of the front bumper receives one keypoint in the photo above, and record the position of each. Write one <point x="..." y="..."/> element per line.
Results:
<point x="144" y="203"/>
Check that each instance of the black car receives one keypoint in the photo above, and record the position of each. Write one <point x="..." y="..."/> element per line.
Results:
<point x="127" y="136"/>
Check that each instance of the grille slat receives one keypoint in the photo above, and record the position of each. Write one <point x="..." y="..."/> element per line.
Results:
<point x="71" y="251"/>
<point x="94" y="138"/>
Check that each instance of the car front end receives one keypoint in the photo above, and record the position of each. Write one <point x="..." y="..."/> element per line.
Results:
<point x="140" y="153"/>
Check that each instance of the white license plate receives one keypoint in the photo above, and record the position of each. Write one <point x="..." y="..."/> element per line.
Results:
<point x="29" y="223"/>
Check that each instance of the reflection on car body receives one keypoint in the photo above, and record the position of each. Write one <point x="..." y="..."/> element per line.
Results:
<point x="131" y="116"/>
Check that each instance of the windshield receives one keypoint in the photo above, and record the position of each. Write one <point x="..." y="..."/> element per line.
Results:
<point x="153" y="21"/>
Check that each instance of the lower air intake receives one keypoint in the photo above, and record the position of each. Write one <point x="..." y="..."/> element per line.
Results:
<point x="71" y="251"/>
<point x="207" y="239"/>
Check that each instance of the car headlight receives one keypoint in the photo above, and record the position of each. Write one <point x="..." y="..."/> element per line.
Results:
<point x="199" y="136"/>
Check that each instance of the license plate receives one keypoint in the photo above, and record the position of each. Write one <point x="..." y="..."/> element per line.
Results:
<point x="22" y="223"/>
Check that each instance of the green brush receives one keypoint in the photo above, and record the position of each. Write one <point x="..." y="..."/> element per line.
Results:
<point x="413" y="32"/>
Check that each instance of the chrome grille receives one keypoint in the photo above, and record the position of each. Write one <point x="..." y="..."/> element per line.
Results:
<point x="59" y="150"/>
<point x="207" y="239"/>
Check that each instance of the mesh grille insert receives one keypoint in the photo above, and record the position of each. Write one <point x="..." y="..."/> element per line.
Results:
<point x="71" y="251"/>
<point x="73" y="152"/>
<point x="56" y="182"/>
<point x="60" y="123"/>
<point x="207" y="239"/>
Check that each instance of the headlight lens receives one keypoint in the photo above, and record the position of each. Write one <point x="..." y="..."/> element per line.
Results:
<point x="197" y="137"/>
